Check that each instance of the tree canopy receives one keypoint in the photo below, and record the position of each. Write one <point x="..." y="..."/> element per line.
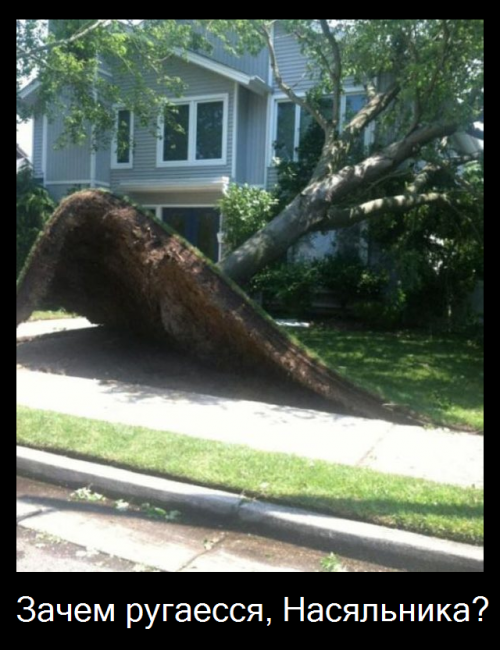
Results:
<point x="423" y="81"/>
<point x="81" y="65"/>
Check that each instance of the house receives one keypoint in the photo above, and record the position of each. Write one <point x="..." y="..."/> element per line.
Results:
<point x="235" y="122"/>
<point x="22" y="158"/>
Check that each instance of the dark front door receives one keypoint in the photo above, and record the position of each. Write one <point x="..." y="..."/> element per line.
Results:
<point x="198" y="225"/>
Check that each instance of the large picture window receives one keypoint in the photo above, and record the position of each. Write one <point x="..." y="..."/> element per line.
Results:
<point x="195" y="134"/>
<point x="292" y="122"/>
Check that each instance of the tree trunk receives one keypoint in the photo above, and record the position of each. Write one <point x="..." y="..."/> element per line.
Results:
<point x="313" y="206"/>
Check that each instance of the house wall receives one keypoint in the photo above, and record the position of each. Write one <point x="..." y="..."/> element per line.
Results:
<point x="257" y="66"/>
<point x="37" y="154"/>
<point x="61" y="190"/>
<point x="292" y="64"/>
<point x="71" y="163"/>
<point x="252" y="133"/>
<point x="103" y="158"/>
<point x="199" y="82"/>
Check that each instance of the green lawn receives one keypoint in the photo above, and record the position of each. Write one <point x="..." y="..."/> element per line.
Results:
<point x="441" y="378"/>
<point x="411" y="504"/>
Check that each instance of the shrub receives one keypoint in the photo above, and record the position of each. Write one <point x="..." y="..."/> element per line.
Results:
<point x="245" y="210"/>
<point x="33" y="208"/>
<point x="287" y="289"/>
<point x="351" y="280"/>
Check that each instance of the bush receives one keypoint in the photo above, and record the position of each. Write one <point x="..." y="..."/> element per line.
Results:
<point x="287" y="289"/>
<point x="33" y="208"/>
<point x="245" y="210"/>
<point x="351" y="280"/>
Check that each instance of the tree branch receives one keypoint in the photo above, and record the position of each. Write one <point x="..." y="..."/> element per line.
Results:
<point x="343" y="218"/>
<point x="63" y="42"/>
<point x="289" y="92"/>
<point x="377" y="105"/>
<point x="425" y="176"/>
<point x="335" y="70"/>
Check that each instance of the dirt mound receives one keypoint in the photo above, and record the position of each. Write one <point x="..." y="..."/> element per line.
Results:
<point x="107" y="260"/>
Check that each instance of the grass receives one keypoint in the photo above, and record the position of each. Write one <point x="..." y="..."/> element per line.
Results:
<point x="412" y="504"/>
<point x="51" y="315"/>
<point x="439" y="377"/>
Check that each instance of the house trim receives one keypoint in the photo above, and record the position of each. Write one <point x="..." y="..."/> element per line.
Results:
<point x="33" y="146"/>
<point x="93" y="167"/>
<point x="45" y="130"/>
<point x="78" y="181"/>
<point x="273" y="126"/>
<point x="218" y="184"/>
<point x="191" y="161"/>
<point x="236" y="103"/>
<point x="29" y="88"/>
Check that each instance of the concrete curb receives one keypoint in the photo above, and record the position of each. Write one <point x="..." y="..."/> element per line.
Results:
<point x="384" y="544"/>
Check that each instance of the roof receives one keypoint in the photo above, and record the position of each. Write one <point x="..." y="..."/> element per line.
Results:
<point x="253" y="83"/>
<point x="20" y="153"/>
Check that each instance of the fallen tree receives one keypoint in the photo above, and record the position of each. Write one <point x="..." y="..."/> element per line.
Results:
<point x="114" y="264"/>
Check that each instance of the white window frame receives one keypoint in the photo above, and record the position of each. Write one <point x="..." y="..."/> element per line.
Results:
<point x="191" y="160"/>
<point x="351" y="90"/>
<point x="114" y="145"/>
<point x="280" y="99"/>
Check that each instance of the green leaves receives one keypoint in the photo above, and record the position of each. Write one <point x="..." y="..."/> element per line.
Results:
<point x="245" y="210"/>
<point x="33" y="209"/>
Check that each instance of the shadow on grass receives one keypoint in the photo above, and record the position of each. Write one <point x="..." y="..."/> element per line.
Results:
<point x="442" y="378"/>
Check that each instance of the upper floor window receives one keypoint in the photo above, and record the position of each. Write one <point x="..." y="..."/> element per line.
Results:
<point x="292" y="122"/>
<point x="196" y="134"/>
<point x="122" y="153"/>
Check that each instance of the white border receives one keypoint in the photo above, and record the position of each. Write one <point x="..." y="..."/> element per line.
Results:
<point x="191" y="161"/>
<point x="236" y="103"/>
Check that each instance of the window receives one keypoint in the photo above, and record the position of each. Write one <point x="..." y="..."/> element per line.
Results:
<point x="122" y="153"/>
<point x="292" y="123"/>
<point x="198" y="225"/>
<point x="196" y="134"/>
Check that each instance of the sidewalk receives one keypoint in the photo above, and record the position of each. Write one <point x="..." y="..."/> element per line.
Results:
<point x="436" y="455"/>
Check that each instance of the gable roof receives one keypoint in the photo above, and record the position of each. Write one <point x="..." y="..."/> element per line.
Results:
<point x="20" y="153"/>
<point x="253" y="83"/>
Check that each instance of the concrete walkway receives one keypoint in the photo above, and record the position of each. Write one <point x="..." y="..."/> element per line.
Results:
<point x="412" y="451"/>
<point x="437" y="455"/>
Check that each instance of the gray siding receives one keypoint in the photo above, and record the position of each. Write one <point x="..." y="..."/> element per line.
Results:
<point x="255" y="66"/>
<point x="72" y="163"/>
<point x="292" y="64"/>
<point x="103" y="162"/>
<point x="252" y="130"/>
<point x="37" y="145"/>
<point x="58" y="192"/>
<point x="198" y="82"/>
